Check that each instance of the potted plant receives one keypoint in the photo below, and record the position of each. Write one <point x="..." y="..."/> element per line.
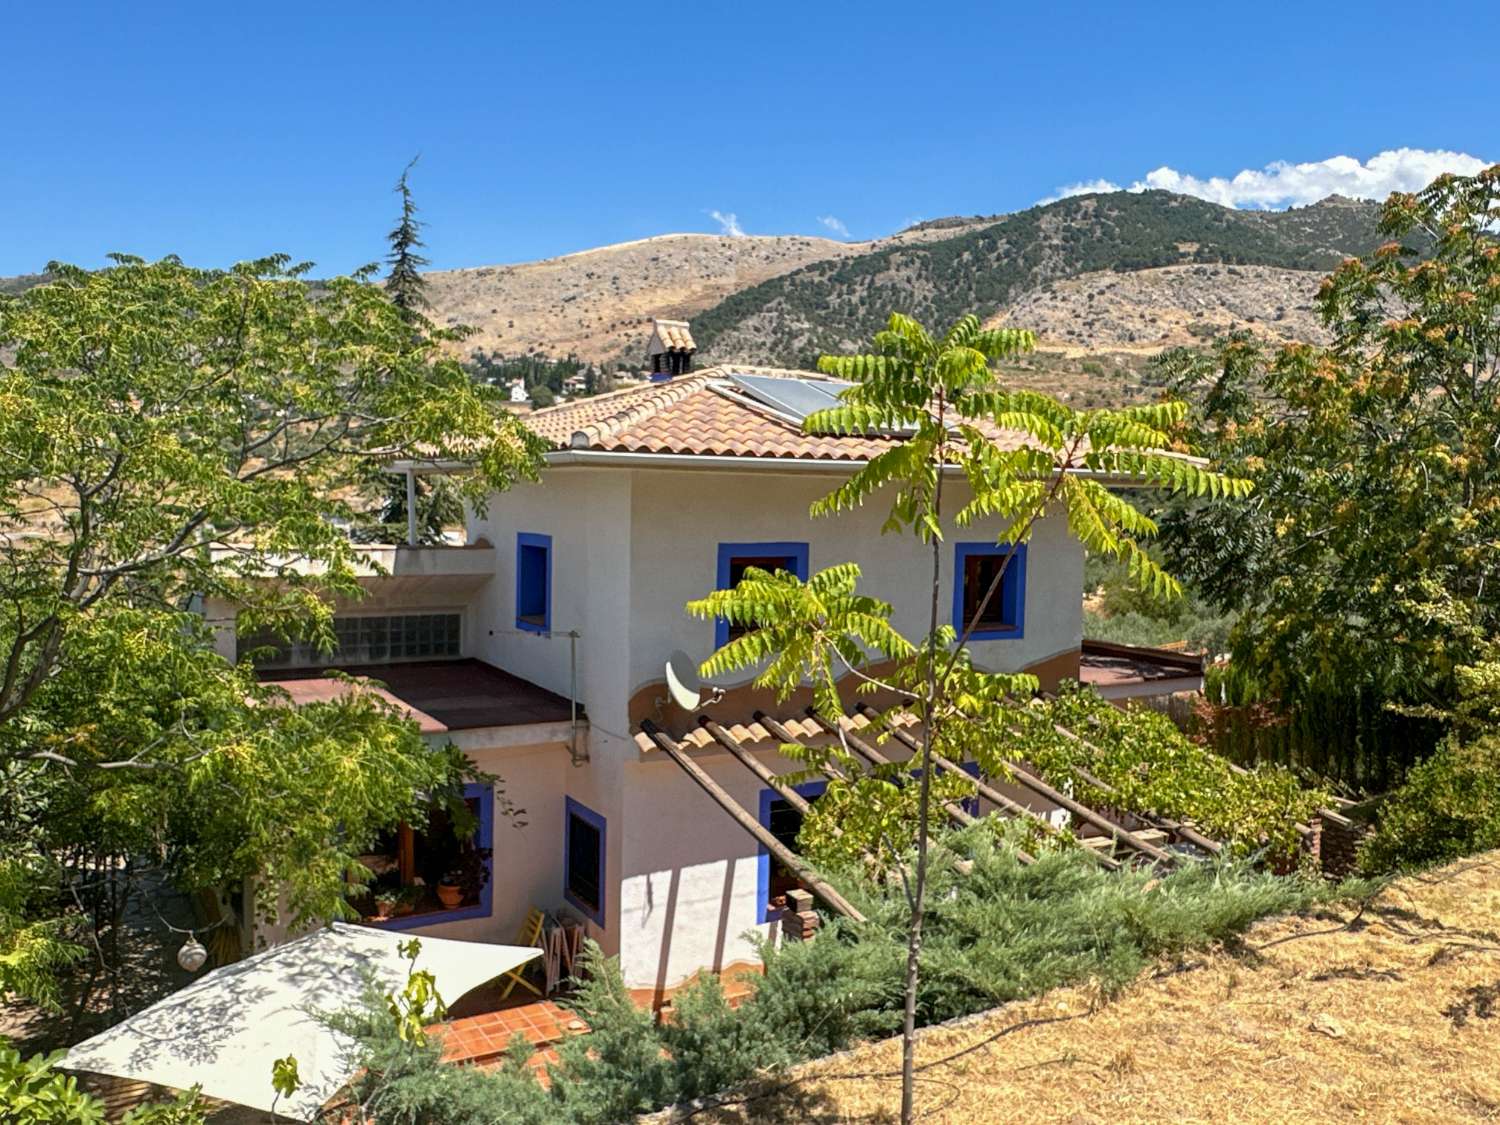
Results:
<point x="466" y="878"/>
<point x="408" y="899"/>
<point x="385" y="904"/>
<point x="449" y="891"/>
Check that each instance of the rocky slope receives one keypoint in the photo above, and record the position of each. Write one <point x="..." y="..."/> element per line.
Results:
<point x="598" y="304"/>
<point x="997" y="265"/>
<point x="1148" y="310"/>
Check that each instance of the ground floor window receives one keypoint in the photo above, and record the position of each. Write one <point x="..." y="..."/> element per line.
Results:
<point x="785" y="822"/>
<point x="435" y="870"/>
<point x="583" y="859"/>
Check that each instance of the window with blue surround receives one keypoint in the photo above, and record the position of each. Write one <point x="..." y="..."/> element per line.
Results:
<point x="974" y="568"/>
<point x="583" y="859"/>
<point x="426" y="874"/>
<point x="777" y="814"/>
<point x="534" y="582"/>
<point x="736" y="558"/>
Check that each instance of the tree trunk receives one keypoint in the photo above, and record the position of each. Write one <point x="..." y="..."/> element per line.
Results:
<point x="924" y="800"/>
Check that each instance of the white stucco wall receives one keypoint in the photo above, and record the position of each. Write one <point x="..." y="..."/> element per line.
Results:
<point x="681" y="518"/>
<point x="630" y="547"/>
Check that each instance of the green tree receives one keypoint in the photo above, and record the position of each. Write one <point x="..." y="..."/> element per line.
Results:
<point x="404" y="283"/>
<point x="169" y="435"/>
<point x="940" y="394"/>
<point x="439" y="506"/>
<point x="1368" y="557"/>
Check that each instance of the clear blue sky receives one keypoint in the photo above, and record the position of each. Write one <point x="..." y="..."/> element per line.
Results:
<point x="224" y="131"/>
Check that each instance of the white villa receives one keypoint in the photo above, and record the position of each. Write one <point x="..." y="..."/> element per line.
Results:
<point x="539" y="647"/>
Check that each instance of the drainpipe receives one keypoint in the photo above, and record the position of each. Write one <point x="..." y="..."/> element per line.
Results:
<point x="578" y="756"/>
<point x="411" y="507"/>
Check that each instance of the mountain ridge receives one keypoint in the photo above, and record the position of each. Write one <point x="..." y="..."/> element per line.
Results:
<point x="1128" y="272"/>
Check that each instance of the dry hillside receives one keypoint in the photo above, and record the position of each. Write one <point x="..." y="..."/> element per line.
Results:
<point x="1147" y="310"/>
<point x="597" y="304"/>
<point x="1390" y="1013"/>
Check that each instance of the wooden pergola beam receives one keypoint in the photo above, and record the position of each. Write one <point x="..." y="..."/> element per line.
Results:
<point x="750" y="824"/>
<point x="1030" y="781"/>
<point x="956" y="813"/>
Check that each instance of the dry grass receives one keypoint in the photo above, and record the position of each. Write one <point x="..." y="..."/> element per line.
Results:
<point x="1391" y="1013"/>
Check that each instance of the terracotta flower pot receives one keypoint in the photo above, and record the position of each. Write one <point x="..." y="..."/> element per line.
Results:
<point x="450" y="895"/>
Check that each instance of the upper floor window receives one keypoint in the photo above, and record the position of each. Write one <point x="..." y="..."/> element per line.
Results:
<point x="534" y="582"/>
<point x="736" y="558"/>
<point x="975" y="566"/>
<point x="363" y="639"/>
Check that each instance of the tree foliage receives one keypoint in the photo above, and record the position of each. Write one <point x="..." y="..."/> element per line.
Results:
<point x="32" y="1092"/>
<point x="404" y="283"/>
<point x="169" y="435"/>
<point x="1368" y="556"/>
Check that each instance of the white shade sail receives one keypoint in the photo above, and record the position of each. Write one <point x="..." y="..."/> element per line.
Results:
<point x="223" y="1032"/>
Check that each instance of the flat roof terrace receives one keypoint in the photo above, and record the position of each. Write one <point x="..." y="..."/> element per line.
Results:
<point x="442" y="695"/>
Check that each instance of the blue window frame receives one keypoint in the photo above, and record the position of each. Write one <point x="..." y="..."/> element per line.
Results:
<point x="974" y="568"/>
<point x="534" y="582"/>
<point x="772" y="806"/>
<point x="583" y="859"/>
<point x="735" y="557"/>
<point x="484" y="837"/>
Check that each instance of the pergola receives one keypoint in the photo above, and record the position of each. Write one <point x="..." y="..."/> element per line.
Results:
<point x="1111" y="837"/>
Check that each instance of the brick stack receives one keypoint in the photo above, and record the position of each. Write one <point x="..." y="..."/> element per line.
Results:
<point x="800" y="921"/>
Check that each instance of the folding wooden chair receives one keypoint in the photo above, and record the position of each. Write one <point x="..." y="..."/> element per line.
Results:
<point x="531" y="934"/>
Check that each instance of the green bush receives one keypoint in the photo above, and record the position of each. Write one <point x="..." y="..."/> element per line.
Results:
<point x="32" y="1093"/>
<point x="1002" y="932"/>
<point x="1448" y="807"/>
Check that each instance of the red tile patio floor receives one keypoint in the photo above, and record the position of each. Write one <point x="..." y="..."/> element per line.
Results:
<point x="480" y="1040"/>
<point x="479" y="1037"/>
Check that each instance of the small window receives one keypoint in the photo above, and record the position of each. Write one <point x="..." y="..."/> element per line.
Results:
<point x="736" y="558"/>
<point x="583" y="859"/>
<point x="975" y="568"/>
<point x="534" y="582"/>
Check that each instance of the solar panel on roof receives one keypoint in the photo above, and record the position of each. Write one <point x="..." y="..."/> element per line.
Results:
<point x="796" y="398"/>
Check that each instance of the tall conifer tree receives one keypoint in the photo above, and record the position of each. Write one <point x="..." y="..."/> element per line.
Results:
<point x="407" y="289"/>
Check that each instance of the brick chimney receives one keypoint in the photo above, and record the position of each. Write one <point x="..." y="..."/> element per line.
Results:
<point x="671" y="349"/>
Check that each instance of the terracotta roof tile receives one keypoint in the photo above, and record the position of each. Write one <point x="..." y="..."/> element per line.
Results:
<point x="703" y="413"/>
<point x="674" y="335"/>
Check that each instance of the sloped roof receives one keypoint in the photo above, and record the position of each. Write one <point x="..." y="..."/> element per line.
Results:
<point x="704" y="414"/>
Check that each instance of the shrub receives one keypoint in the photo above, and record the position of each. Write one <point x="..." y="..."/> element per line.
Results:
<point x="33" y="1093"/>
<point x="1002" y="932"/>
<point x="1448" y="807"/>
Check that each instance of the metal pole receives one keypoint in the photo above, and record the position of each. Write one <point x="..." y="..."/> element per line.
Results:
<point x="573" y="693"/>
<point x="411" y="507"/>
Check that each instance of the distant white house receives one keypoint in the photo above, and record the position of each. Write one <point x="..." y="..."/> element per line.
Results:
<point x="539" y="648"/>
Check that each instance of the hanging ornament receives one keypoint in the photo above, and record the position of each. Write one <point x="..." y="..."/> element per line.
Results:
<point x="192" y="955"/>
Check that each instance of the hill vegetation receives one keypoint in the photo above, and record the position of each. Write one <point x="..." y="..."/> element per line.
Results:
<point x="829" y="306"/>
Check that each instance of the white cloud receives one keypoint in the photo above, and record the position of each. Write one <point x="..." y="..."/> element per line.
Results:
<point x="1086" y="187"/>
<point x="1282" y="184"/>
<point x="729" y="223"/>
<point x="836" y="225"/>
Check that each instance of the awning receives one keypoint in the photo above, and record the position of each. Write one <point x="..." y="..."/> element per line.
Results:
<point x="224" y="1031"/>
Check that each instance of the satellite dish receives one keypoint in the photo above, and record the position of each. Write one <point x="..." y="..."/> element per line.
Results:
<point x="684" y="684"/>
